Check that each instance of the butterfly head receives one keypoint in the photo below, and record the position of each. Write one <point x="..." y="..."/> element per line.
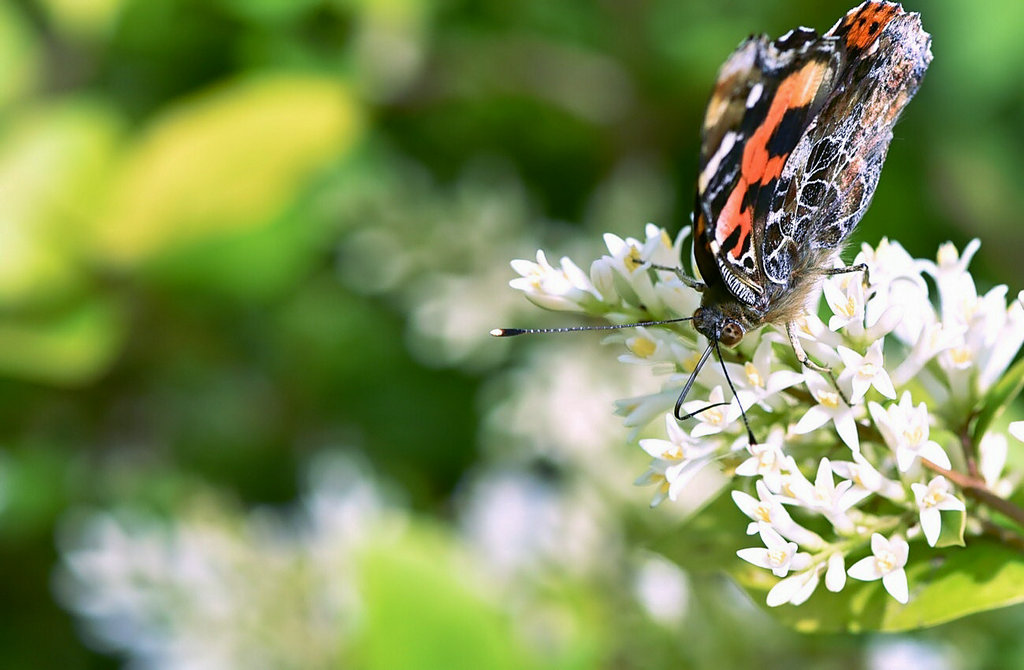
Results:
<point x="717" y="325"/>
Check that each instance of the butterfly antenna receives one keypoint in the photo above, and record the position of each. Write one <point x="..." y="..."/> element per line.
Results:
<point x="746" y="424"/>
<point x="689" y="384"/>
<point x="512" y="332"/>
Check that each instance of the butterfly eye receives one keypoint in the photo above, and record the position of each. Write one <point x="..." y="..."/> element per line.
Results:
<point x="732" y="333"/>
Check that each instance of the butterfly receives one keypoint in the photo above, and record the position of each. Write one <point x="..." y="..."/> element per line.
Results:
<point x="792" y="146"/>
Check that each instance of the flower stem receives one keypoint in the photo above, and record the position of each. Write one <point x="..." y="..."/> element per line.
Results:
<point x="970" y="453"/>
<point x="976" y="489"/>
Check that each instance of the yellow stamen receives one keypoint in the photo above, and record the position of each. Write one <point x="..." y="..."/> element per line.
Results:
<point x="886" y="562"/>
<point x="753" y="375"/>
<point x="643" y="347"/>
<point x="634" y="259"/>
<point x="673" y="454"/>
<point x="914" y="436"/>
<point x="690" y="362"/>
<point x="712" y="416"/>
<point x="829" y="399"/>
<point x="867" y="370"/>
<point x="961" y="356"/>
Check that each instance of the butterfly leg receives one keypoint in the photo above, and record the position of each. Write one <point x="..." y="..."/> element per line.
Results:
<point x="801" y="356"/>
<point x="798" y="349"/>
<point x="683" y="277"/>
<point x="859" y="267"/>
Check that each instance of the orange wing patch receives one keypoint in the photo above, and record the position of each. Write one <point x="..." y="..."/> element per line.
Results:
<point x="796" y="90"/>
<point x="863" y="25"/>
<point x="759" y="167"/>
<point x="734" y="216"/>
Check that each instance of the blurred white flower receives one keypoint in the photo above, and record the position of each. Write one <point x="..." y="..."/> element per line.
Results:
<point x="663" y="590"/>
<point x="199" y="591"/>
<point x="902" y="652"/>
<point x="992" y="454"/>
<point x="520" y="523"/>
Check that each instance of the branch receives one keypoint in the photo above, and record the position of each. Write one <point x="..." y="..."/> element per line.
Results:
<point x="975" y="488"/>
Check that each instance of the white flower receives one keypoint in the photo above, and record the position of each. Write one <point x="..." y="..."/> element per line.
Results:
<point x="1003" y="344"/>
<point x="639" y="411"/>
<point x="992" y="332"/>
<point x="886" y="563"/>
<point x="932" y="339"/>
<point x="677" y="459"/>
<point x="835" y="576"/>
<point x="866" y="480"/>
<point x="863" y="372"/>
<point x="845" y="297"/>
<point x="631" y="259"/>
<point x="714" y="420"/>
<point x="767" y="460"/>
<point x="656" y="475"/>
<point x="905" y="429"/>
<point x="779" y="556"/>
<point x="795" y="589"/>
<point x="566" y="288"/>
<point x="897" y="288"/>
<point x="830" y="407"/>
<point x="992" y="452"/>
<point x="1017" y="430"/>
<point x="931" y="499"/>
<point x="653" y="346"/>
<point x="823" y="496"/>
<point x="950" y="273"/>
<point x="756" y="381"/>
<point x="767" y="508"/>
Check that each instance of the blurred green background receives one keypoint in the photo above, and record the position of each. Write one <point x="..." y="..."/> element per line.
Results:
<point x="249" y="254"/>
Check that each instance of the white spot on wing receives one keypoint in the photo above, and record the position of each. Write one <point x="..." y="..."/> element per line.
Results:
<point x="755" y="94"/>
<point x="711" y="168"/>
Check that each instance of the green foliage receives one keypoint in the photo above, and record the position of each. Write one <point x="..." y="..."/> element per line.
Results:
<point x="998" y="399"/>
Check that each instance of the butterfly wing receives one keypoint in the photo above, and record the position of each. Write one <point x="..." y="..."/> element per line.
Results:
<point x="831" y="175"/>
<point x="766" y="96"/>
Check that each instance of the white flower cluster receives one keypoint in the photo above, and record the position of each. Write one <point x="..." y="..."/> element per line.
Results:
<point x="907" y="379"/>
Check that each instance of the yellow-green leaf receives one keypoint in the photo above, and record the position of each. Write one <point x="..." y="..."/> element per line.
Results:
<point x="230" y="159"/>
<point x="54" y="165"/>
